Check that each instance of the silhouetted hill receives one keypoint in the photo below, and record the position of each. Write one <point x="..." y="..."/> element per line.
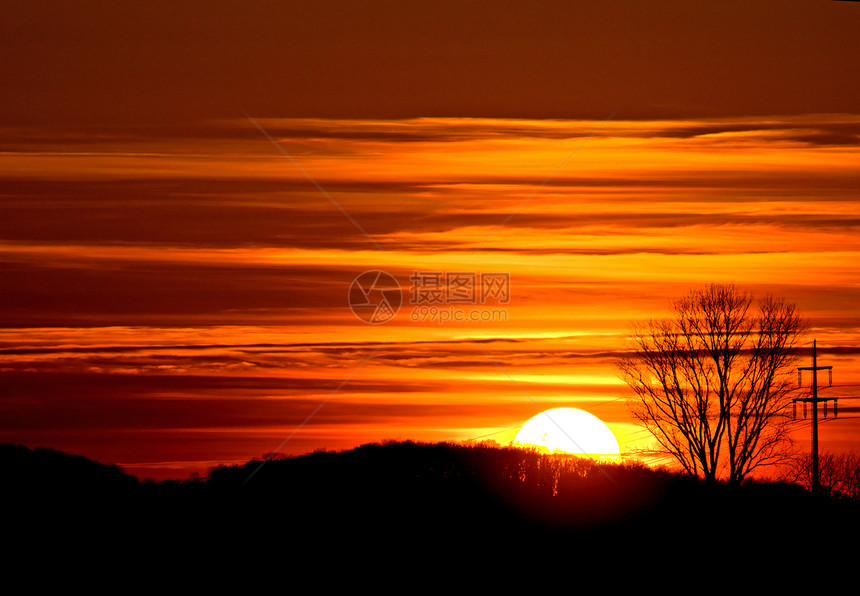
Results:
<point x="403" y="489"/>
<point x="401" y="503"/>
<point x="40" y="471"/>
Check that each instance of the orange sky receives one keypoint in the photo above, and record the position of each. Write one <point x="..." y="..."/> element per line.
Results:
<point x="175" y="288"/>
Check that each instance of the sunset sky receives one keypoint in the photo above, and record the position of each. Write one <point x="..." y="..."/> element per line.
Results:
<point x="187" y="193"/>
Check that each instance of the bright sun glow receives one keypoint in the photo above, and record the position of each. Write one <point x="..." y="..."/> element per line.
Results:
<point x="568" y="430"/>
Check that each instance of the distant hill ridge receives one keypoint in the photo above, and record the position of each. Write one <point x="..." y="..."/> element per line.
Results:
<point x="404" y="503"/>
<point x="404" y="473"/>
<point x="25" y="469"/>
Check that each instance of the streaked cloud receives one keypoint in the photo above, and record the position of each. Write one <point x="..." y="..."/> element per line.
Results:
<point x="180" y="294"/>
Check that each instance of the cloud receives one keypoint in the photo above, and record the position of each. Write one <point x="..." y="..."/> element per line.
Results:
<point x="188" y="285"/>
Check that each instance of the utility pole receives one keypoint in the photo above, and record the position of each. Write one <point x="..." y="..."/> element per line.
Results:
<point x="814" y="400"/>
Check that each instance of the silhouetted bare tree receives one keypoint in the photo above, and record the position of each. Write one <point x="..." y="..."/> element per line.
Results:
<point x="712" y="381"/>
<point x="839" y="473"/>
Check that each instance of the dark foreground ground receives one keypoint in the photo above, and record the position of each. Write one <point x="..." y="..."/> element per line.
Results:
<point x="407" y="512"/>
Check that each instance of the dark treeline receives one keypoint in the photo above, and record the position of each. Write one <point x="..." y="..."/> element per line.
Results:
<point x="405" y="500"/>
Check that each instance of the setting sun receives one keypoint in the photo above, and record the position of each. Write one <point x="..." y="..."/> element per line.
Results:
<point x="568" y="430"/>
